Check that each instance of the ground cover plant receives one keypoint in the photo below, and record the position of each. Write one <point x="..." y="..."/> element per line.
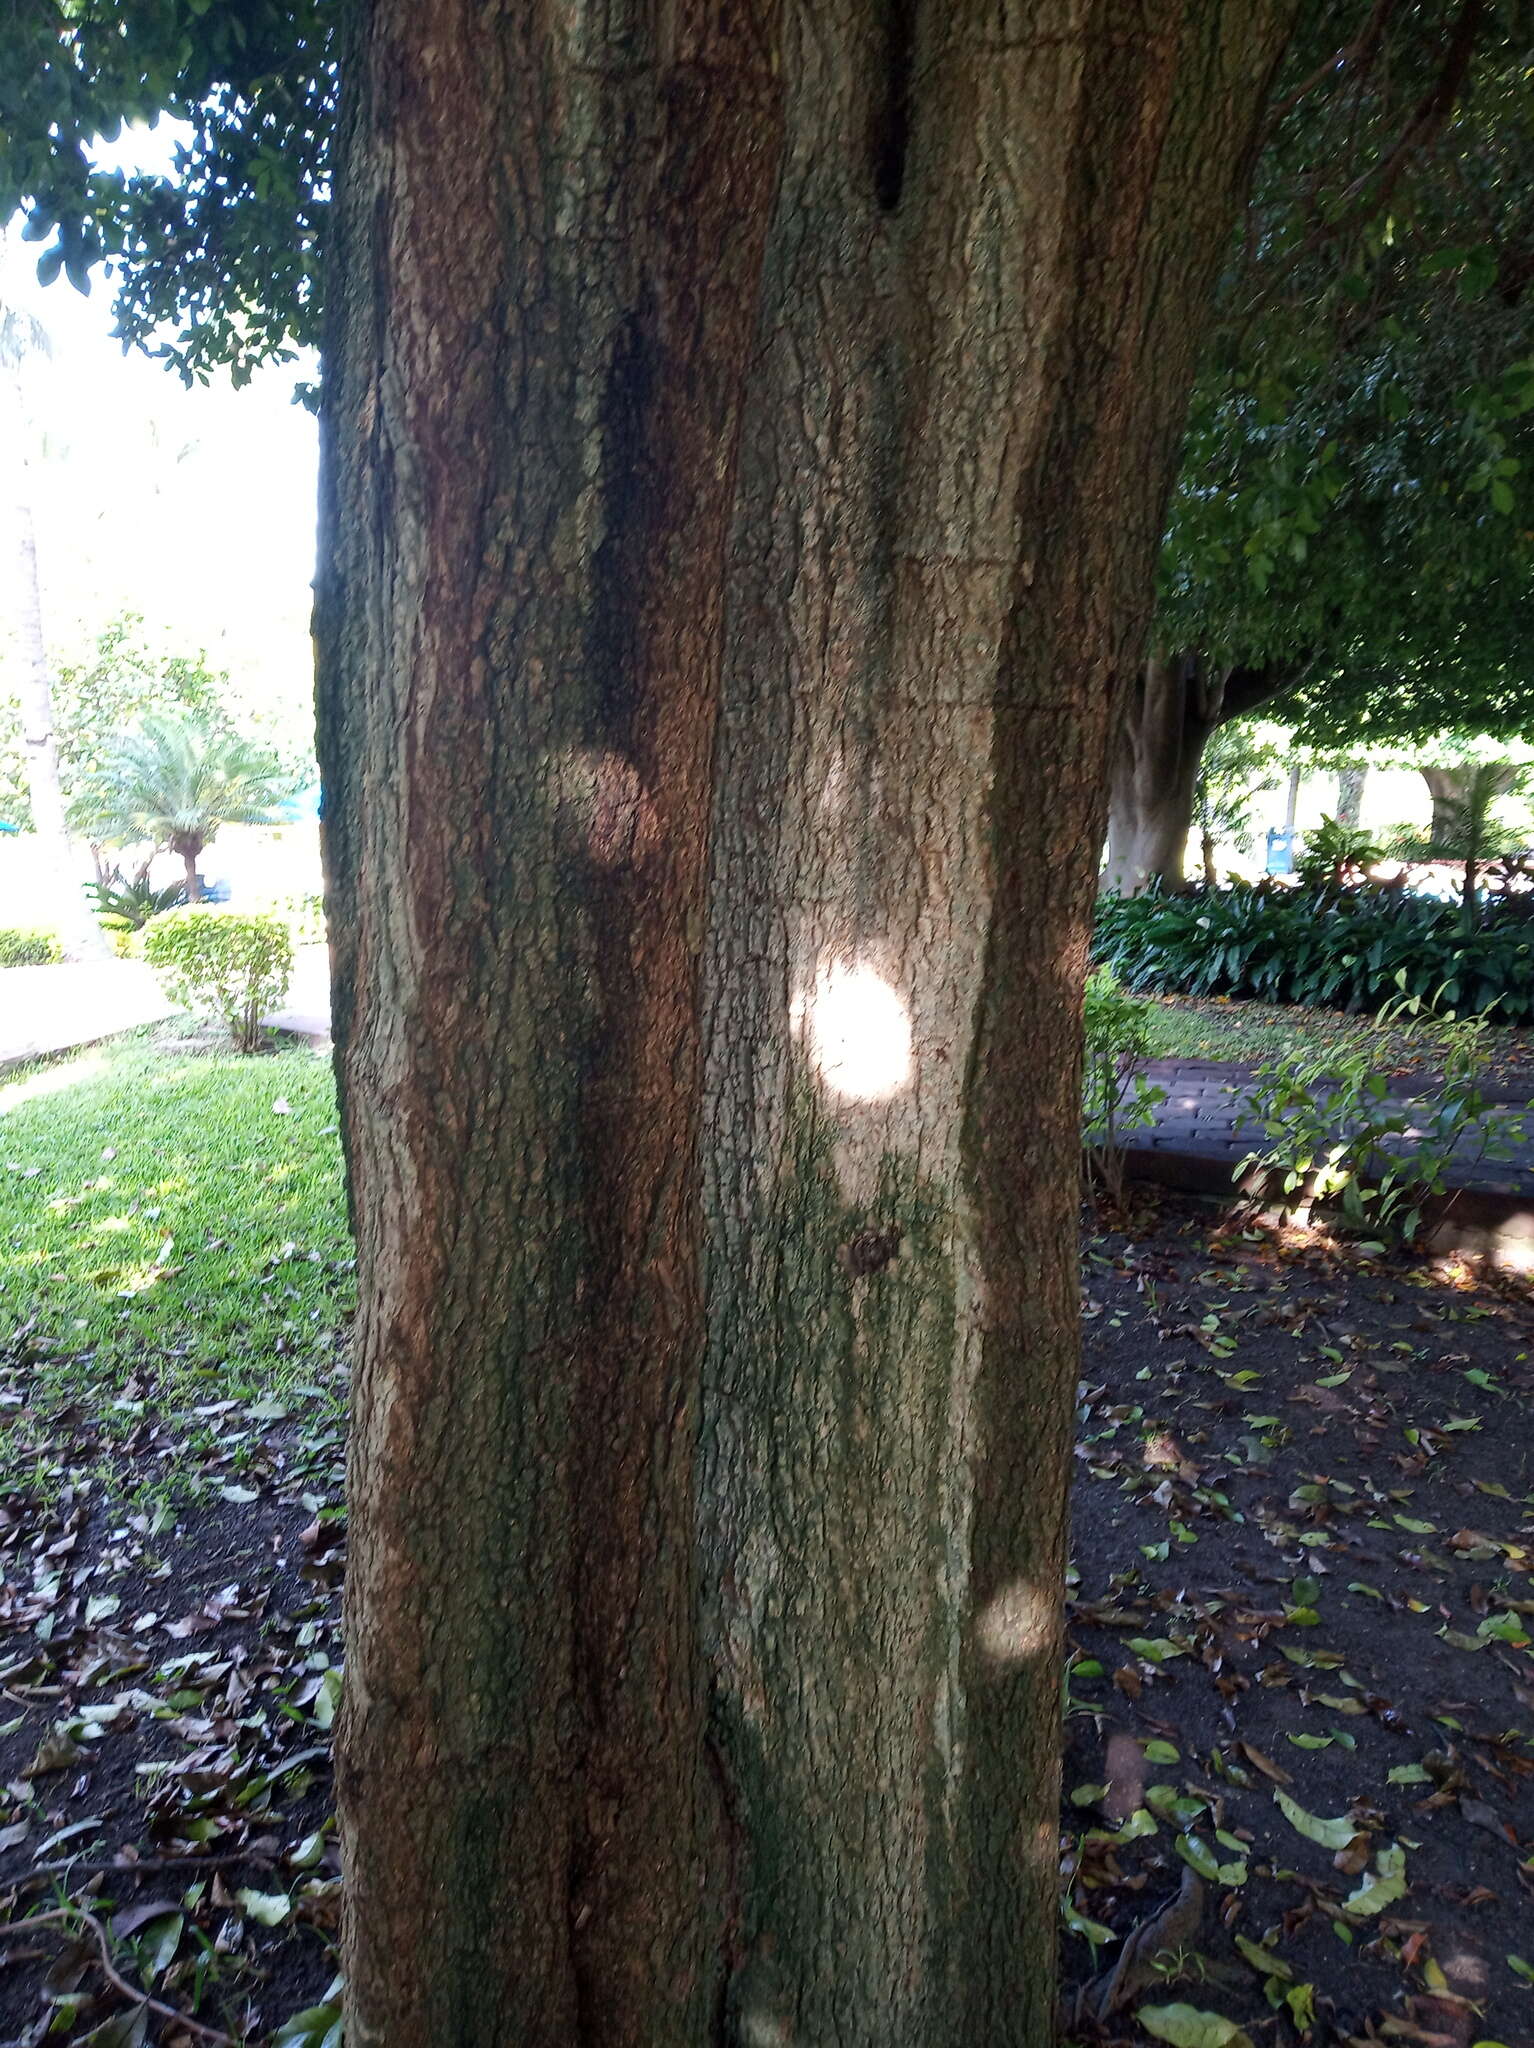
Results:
<point x="22" y="947"/>
<point x="172" y="1233"/>
<point x="1246" y="1031"/>
<point x="1304" y="1534"/>
<point x="1342" y="949"/>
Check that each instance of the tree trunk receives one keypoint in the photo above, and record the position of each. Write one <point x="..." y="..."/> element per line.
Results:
<point x="189" y="857"/>
<point x="1211" y="872"/>
<point x="1292" y="801"/>
<point x="1453" y="788"/>
<point x="80" y="935"/>
<point x="1350" y="794"/>
<point x="1173" y="709"/>
<point x="714" y="712"/>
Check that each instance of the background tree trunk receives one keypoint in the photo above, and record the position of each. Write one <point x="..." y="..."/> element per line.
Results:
<point x="1452" y="790"/>
<point x="703" y="1654"/>
<point x="1172" y="709"/>
<point x="80" y="935"/>
<point x="1350" y="794"/>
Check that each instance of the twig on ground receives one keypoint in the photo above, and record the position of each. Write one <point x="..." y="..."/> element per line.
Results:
<point x="149" y="1863"/>
<point x="71" y="1914"/>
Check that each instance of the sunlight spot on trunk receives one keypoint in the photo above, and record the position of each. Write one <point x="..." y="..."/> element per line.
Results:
<point x="1015" y="1625"/>
<point x="858" y="1031"/>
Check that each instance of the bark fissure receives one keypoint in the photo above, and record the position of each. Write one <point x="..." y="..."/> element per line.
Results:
<point x="746" y="441"/>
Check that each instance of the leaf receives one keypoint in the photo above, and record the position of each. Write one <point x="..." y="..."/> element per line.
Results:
<point x="1265" y="1763"/>
<point x="269" y="1908"/>
<point x="327" y="1699"/>
<point x="1266" y="1961"/>
<point x="123" y="2030"/>
<point x="1328" y="1834"/>
<point x="1155" y="1649"/>
<point x="1197" y="1853"/>
<point x="1185" y="2026"/>
<point x="317" y="2026"/>
<point x="1162" y="1753"/>
<point x="1075" y="1923"/>
<point x="1408" y="1774"/>
<point x="1382" y="1890"/>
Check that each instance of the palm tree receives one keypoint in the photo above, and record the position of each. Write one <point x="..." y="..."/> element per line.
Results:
<point x="176" y="782"/>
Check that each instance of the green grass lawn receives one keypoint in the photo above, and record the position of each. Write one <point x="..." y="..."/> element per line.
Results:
<point x="172" y="1233"/>
<point x="1194" y="1028"/>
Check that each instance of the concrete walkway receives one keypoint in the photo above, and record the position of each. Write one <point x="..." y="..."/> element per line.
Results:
<point x="1207" y="1119"/>
<point x="49" y="1009"/>
<point x="52" y="1009"/>
<point x="306" y="1013"/>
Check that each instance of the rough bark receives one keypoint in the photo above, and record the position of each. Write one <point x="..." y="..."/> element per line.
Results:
<point x="1172" y="709"/>
<point x="190" y="853"/>
<point x="1350" y="794"/>
<point x="1452" y="789"/>
<point x="81" y="937"/>
<point x="747" y="438"/>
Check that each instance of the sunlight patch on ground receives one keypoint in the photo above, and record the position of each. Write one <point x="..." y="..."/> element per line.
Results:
<point x="49" y="1081"/>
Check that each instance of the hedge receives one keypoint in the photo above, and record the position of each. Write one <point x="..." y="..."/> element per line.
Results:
<point x="1341" y="949"/>
<point x="232" y="964"/>
<point x="21" y="947"/>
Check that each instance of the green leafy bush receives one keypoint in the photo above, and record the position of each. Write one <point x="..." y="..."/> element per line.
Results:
<point x="229" y="964"/>
<point x="1342" y="949"/>
<point x="1116" y="1096"/>
<point x="20" y="947"/>
<point x="1335" y="1137"/>
<point x="1336" y="853"/>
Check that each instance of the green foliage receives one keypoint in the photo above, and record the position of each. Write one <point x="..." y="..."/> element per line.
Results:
<point x="161" y="1224"/>
<point x="23" y="947"/>
<point x="122" y="681"/>
<point x="1237" y="767"/>
<point x="128" y="906"/>
<point x="226" y="963"/>
<point x="1336" y="1138"/>
<point x="1353" y="510"/>
<point x="1341" y="949"/>
<point x="218" y="263"/>
<point x="1116" y="1096"/>
<point x="1336" y="854"/>
<point x="175" y="782"/>
<point x="303" y="913"/>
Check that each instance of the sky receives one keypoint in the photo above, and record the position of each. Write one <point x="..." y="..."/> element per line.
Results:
<point x="194" y="507"/>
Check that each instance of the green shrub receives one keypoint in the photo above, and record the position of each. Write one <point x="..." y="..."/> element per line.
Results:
<point x="1336" y="1138"/>
<point x="1336" y="853"/>
<point x="303" y="913"/>
<point x="229" y="964"/>
<point x="20" y="947"/>
<point x="1342" y="949"/>
<point x="1115" y="1096"/>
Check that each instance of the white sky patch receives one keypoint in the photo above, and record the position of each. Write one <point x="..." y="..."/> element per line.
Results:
<point x="193" y="506"/>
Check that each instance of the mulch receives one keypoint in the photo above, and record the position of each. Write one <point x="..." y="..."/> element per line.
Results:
<point x="1303" y="1552"/>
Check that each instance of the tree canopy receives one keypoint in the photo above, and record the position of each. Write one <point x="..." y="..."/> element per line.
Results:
<point x="1355" y="503"/>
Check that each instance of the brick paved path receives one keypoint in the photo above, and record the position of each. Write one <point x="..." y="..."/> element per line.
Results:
<point x="1207" y="1115"/>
